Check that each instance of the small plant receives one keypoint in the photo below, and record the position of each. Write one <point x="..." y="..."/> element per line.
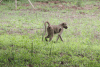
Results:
<point x="32" y="49"/>
<point x="79" y="3"/>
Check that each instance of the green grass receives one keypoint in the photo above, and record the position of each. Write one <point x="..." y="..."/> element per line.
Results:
<point x="21" y="31"/>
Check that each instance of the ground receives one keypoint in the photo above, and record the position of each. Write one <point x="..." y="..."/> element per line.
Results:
<point x="21" y="34"/>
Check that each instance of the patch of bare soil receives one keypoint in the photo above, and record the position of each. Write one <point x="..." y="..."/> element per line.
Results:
<point x="26" y="5"/>
<point x="55" y="2"/>
<point x="89" y="7"/>
<point x="24" y="31"/>
<point x="61" y="6"/>
<point x="2" y="4"/>
<point x="14" y="31"/>
<point x="86" y="7"/>
<point x="32" y="31"/>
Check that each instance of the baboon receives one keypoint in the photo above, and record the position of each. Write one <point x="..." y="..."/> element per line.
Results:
<point x="54" y="29"/>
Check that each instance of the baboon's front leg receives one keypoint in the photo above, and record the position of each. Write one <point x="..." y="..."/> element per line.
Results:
<point x="59" y="35"/>
<point x="61" y="38"/>
<point x="47" y="37"/>
<point x="57" y="38"/>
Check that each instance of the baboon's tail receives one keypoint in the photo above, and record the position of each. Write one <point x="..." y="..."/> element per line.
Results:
<point x="45" y="29"/>
<point x="45" y="25"/>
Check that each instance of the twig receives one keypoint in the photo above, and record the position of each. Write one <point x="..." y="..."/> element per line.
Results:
<point x="31" y="4"/>
<point x="16" y="4"/>
<point x="1" y="1"/>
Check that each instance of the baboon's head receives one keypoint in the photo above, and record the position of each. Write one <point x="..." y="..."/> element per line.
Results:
<point x="64" y="25"/>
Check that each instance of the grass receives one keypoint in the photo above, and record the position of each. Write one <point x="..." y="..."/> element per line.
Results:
<point x="21" y="42"/>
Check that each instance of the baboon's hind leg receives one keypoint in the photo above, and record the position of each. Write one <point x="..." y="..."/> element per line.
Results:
<point x="47" y="37"/>
<point x="50" y="38"/>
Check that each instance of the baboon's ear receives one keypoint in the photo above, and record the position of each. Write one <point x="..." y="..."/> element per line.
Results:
<point x="62" y="23"/>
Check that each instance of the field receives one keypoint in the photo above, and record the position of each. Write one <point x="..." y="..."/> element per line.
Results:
<point x="21" y="32"/>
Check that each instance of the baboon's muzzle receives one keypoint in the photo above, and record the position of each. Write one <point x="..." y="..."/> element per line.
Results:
<point x="65" y="27"/>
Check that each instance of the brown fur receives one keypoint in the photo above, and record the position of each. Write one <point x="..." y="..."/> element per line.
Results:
<point x="54" y="29"/>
